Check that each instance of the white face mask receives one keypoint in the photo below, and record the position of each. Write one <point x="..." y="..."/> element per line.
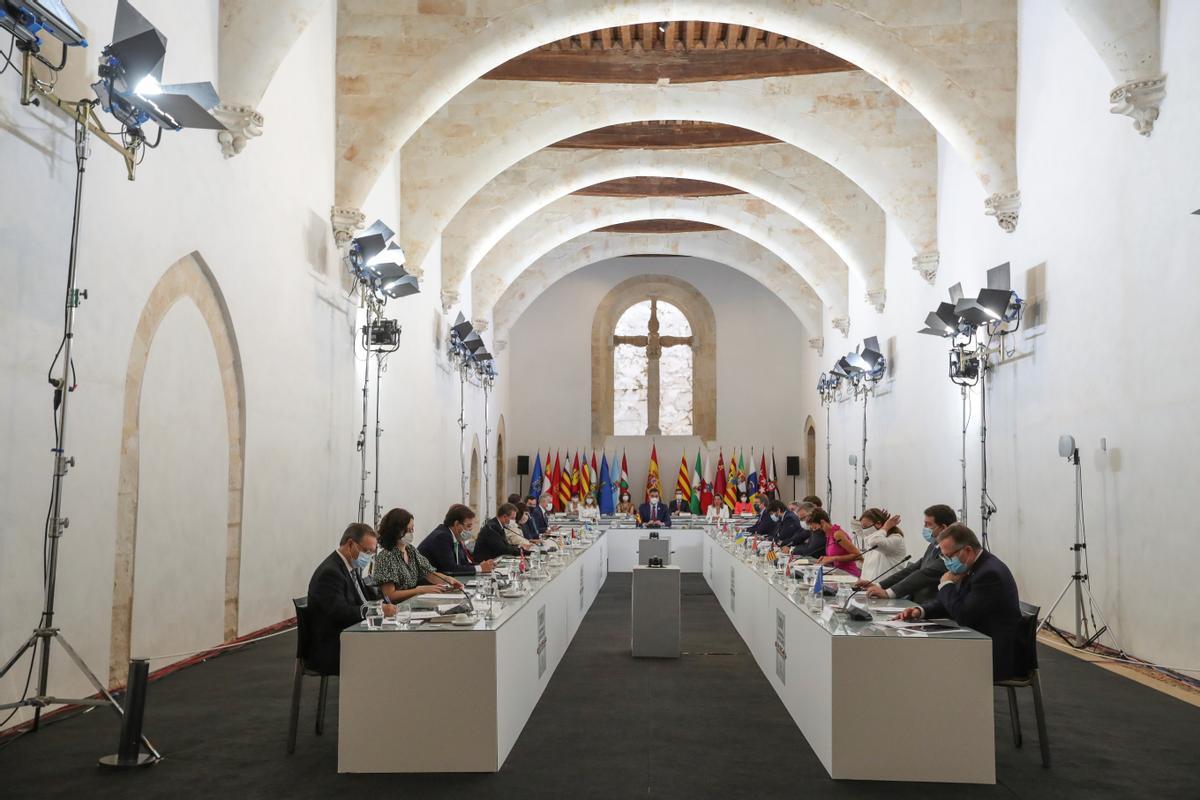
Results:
<point x="406" y="539"/>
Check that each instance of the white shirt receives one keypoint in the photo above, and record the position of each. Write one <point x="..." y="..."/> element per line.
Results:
<point x="589" y="512"/>
<point x="888" y="554"/>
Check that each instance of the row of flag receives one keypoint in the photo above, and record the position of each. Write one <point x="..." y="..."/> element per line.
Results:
<point x="699" y="484"/>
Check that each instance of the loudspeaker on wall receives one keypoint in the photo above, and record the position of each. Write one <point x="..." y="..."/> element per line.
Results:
<point x="522" y="465"/>
<point x="793" y="466"/>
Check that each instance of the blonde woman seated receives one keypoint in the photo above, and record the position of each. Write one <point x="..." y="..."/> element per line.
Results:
<point x="626" y="506"/>
<point x="590" y="512"/>
<point x="573" y="506"/>
<point x="717" y="511"/>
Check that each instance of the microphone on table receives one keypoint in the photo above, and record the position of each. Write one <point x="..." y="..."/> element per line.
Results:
<point x="858" y="613"/>
<point x="860" y="552"/>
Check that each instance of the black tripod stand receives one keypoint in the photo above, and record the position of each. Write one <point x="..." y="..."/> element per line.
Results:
<point x="45" y="633"/>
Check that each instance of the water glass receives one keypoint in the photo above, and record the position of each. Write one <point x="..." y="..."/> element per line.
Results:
<point x="403" y="616"/>
<point x="815" y="602"/>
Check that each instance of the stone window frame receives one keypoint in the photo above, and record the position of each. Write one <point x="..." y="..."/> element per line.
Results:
<point x="696" y="308"/>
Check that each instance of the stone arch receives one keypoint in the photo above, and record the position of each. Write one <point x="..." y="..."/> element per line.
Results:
<point x="985" y="142"/>
<point x="474" y="496"/>
<point x="898" y="169"/>
<point x="810" y="456"/>
<point x="724" y="247"/>
<point x="703" y="322"/>
<point x="859" y="242"/>
<point x="794" y="244"/>
<point x="188" y="278"/>
<point x="501" y="465"/>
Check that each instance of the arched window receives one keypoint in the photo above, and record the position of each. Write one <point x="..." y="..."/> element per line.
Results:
<point x="654" y="360"/>
<point x="652" y="371"/>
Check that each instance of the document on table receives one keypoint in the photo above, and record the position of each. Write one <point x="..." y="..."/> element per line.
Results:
<point x="450" y="596"/>
<point x="886" y="609"/>
<point x="919" y="626"/>
<point x="424" y="614"/>
<point x="444" y="607"/>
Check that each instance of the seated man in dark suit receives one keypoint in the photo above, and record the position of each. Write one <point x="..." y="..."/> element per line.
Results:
<point x="679" y="505"/>
<point x="977" y="591"/>
<point x="446" y="546"/>
<point x="918" y="580"/>
<point x="492" y="541"/>
<point x="763" y="526"/>
<point x="337" y="598"/>
<point x="789" y="530"/>
<point x="810" y="543"/>
<point x="653" y="514"/>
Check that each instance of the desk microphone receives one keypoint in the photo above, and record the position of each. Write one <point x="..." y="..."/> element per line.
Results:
<point x="859" y="614"/>
<point x="860" y="552"/>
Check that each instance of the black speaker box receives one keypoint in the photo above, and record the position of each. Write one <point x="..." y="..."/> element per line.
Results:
<point x="793" y="466"/>
<point x="522" y="465"/>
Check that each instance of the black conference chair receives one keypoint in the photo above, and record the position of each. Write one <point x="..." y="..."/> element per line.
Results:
<point x="1029" y="679"/>
<point x="302" y="670"/>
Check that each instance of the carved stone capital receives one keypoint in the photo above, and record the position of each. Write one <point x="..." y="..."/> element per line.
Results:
<point x="345" y="221"/>
<point x="1005" y="207"/>
<point x="927" y="265"/>
<point x="818" y="343"/>
<point x="481" y="325"/>
<point x="841" y="324"/>
<point x="450" y="299"/>
<point x="877" y="299"/>
<point x="243" y="123"/>
<point x="1139" y="100"/>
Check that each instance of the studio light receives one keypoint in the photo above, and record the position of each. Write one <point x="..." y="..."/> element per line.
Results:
<point x="377" y="262"/>
<point x="461" y="327"/>
<point x="130" y="86"/>
<point x="25" y="19"/>
<point x="873" y="357"/>
<point x="382" y="335"/>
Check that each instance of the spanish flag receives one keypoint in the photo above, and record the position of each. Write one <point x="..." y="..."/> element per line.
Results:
<point x="652" y="474"/>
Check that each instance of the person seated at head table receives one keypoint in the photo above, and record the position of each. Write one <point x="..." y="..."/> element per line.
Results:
<point x="977" y="591"/>
<point x="400" y="570"/>
<point x="514" y="531"/>
<point x="336" y="597"/>
<point x="492" y="541"/>
<point x="717" y="510"/>
<point x="653" y="514"/>
<point x="760" y="502"/>
<point x="626" y="505"/>
<point x="742" y="507"/>
<point x="881" y="531"/>
<point x="840" y="552"/>
<point x="763" y="526"/>
<point x="589" y="511"/>
<point x="542" y="511"/>
<point x="918" y="580"/>
<point x="679" y="505"/>
<point x="448" y="546"/>
<point x="573" y="505"/>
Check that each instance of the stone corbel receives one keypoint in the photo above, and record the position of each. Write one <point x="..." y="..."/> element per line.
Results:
<point x="818" y="344"/>
<point x="842" y="325"/>
<point x="345" y="221"/>
<point x="1139" y="100"/>
<point x="1005" y="207"/>
<point x="927" y="265"/>
<point x="480" y="325"/>
<point x="449" y="299"/>
<point x="877" y="300"/>
<point x="243" y="123"/>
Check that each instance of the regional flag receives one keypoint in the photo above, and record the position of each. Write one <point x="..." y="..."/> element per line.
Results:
<point x="606" y="493"/>
<point x="652" y="481"/>
<point x="684" y="482"/>
<point x="595" y="473"/>
<point x="752" y="478"/>
<point x="773" y="486"/>
<point x="697" y="485"/>
<point x="764" y="477"/>
<point x="556" y="483"/>
<point x="731" y="487"/>
<point x="719" y="481"/>
<point x="585" y="479"/>
<point x="564" y="486"/>
<point x="624" y="483"/>
<point x="535" y="480"/>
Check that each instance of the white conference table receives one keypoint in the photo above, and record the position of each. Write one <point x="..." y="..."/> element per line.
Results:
<point x="873" y="702"/>
<point x="486" y="678"/>
<point x="687" y="545"/>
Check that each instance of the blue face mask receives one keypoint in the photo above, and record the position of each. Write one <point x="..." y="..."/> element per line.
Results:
<point x="776" y="517"/>
<point x="927" y="535"/>
<point x="364" y="558"/>
<point x="954" y="564"/>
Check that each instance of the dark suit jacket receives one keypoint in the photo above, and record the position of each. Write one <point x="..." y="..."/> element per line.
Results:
<point x="446" y="553"/>
<point x="538" y="515"/>
<point x="763" y="526"/>
<point x="918" y="580"/>
<point x="812" y="547"/>
<point x="530" y="529"/>
<point x="663" y="516"/>
<point x="333" y="606"/>
<point x="986" y="600"/>
<point x="492" y="542"/>
<point x="680" y="507"/>
<point x="790" y="531"/>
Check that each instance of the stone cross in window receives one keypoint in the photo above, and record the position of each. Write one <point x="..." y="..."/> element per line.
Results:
<point x="654" y="345"/>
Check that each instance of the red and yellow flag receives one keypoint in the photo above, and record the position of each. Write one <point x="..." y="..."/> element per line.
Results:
<point x="585" y="479"/>
<point x="652" y="474"/>
<point x="719" y="479"/>
<point x="684" y="482"/>
<point x="731" y="484"/>
<point x="564" y="485"/>
<point x="576" y="478"/>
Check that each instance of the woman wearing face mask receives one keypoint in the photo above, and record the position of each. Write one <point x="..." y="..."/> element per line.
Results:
<point x="716" y="511"/>
<point x="881" y="531"/>
<point x="742" y="507"/>
<point x="589" y="512"/>
<point x="514" y="529"/>
<point x="840" y="552"/>
<point x="626" y="506"/>
<point x="574" y="506"/>
<point x="400" y="571"/>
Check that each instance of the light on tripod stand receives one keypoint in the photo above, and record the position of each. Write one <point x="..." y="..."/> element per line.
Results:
<point x="873" y="358"/>
<point x="378" y="263"/>
<point x="130" y="76"/>
<point x="964" y="365"/>
<point x="382" y="336"/>
<point x="461" y="327"/>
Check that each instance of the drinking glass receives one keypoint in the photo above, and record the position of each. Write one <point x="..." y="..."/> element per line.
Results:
<point x="403" y="616"/>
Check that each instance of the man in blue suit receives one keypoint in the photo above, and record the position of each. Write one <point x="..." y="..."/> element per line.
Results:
<point x="977" y="591"/>
<point x="540" y="513"/>
<point x="654" y="514"/>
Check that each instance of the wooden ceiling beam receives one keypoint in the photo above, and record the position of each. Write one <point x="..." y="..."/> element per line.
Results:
<point x="606" y="40"/>
<point x="627" y="37"/>
<point x="752" y="37"/>
<point x="649" y="34"/>
<point x="732" y="35"/>
<point x="669" y="36"/>
<point x="585" y="40"/>
<point x="712" y="31"/>
<point x="691" y="32"/>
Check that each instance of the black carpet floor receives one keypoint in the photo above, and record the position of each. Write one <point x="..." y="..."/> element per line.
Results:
<point x="706" y="726"/>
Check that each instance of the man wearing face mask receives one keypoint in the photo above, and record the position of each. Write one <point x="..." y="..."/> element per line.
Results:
<point x="337" y="596"/>
<point x="653" y="514"/>
<point x="538" y="519"/>
<point x="448" y="547"/>
<point x="802" y="541"/>
<point x="493" y="542"/>
<point x="977" y="591"/>
<point x="918" y="580"/>
<point x="679" y="505"/>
